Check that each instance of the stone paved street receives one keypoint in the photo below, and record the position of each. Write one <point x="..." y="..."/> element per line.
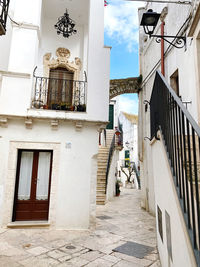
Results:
<point x="120" y="222"/>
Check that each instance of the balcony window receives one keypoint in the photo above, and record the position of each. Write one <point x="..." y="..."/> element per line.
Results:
<point x="59" y="88"/>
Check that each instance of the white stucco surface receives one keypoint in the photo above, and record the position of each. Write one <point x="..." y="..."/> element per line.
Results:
<point x="73" y="136"/>
<point x="71" y="175"/>
<point x="167" y="200"/>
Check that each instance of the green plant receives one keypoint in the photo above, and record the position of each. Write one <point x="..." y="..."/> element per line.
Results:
<point x="81" y="107"/>
<point x="55" y="106"/>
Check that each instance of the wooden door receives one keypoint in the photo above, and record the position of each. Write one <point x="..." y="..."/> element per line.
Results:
<point x="60" y="88"/>
<point x="110" y="125"/>
<point x="33" y="181"/>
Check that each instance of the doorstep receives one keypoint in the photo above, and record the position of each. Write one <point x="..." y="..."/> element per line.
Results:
<point x="28" y="224"/>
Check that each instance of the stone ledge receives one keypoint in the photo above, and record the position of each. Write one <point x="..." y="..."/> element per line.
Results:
<point x="28" y="224"/>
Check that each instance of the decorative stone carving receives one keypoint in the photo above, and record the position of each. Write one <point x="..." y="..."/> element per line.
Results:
<point x="79" y="126"/>
<point x="63" y="52"/>
<point x="62" y="60"/>
<point x="101" y="128"/>
<point x="164" y="14"/>
<point x="3" y="122"/>
<point x="46" y="58"/>
<point x="29" y="123"/>
<point x="54" y="124"/>
<point x="78" y="62"/>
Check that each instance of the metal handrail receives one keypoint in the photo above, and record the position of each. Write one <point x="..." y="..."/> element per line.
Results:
<point x="181" y="136"/>
<point x="111" y="150"/>
<point x="104" y="131"/>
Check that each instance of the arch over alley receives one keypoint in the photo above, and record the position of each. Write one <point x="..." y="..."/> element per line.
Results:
<point x="125" y="86"/>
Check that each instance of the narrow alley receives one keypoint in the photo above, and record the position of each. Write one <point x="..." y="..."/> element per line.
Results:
<point x="124" y="236"/>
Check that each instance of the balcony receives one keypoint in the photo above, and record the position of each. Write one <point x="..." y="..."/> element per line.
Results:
<point x="59" y="94"/>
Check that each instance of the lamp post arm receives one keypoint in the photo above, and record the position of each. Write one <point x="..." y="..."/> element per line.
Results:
<point x="180" y="41"/>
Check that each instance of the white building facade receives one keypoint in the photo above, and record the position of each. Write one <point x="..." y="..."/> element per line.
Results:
<point x="181" y="69"/>
<point x="50" y="116"/>
<point x="130" y="143"/>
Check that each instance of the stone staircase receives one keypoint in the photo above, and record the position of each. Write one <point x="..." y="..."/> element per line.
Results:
<point x="101" y="171"/>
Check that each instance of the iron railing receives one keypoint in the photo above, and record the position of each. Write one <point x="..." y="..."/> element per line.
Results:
<point x="181" y="136"/>
<point x="104" y="132"/>
<point x="4" y="4"/>
<point x="111" y="150"/>
<point x="59" y="94"/>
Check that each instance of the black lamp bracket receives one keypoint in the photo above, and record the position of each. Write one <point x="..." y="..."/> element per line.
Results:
<point x="146" y="102"/>
<point x="178" y="41"/>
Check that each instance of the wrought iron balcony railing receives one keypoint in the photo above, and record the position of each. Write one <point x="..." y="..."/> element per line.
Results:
<point x="59" y="94"/>
<point x="4" y="4"/>
<point x="181" y="135"/>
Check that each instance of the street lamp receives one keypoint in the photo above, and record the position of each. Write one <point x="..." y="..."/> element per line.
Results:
<point x="149" y="22"/>
<point x="4" y="4"/>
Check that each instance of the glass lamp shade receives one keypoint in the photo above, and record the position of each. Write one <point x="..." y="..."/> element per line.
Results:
<point x="150" y="18"/>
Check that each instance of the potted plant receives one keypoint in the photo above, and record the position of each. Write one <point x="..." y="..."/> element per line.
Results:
<point x="63" y="106"/>
<point x="55" y="106"/>
<point x="45" y="106"/>
<point x="81" y="107"/>
<point x="117" y="187"/>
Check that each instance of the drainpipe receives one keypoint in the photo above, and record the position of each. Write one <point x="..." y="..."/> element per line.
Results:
<point x="162" y="50"/>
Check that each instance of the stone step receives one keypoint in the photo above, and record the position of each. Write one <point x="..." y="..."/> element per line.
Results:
<point x="99" y="202"/>
<point x="101" y="198"/>
<point x="101" y="188"/>
<point x="101" y="183"/>
<point x="102" y="159"/>
<point x="103" y="154"/>
<point x="102" y="168"/>
<point x="102" y="163"/>
<point x="101" y="174"/>
<point x="100" y="194"/>
<point x="101" y="179"/>
<point x="106" y="148"/>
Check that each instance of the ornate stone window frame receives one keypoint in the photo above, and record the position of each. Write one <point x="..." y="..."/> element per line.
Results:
<point x="62" y="60"/>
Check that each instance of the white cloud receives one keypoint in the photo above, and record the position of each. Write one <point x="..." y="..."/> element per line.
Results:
<point x="128" y="104"/>
<point x="121" y="22"/>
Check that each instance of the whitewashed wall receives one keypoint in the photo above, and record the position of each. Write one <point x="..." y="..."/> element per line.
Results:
<point x="130" y="135"/>
<point x="33" y="39"/>
<point x="73" y="179"/>
<point x="112" y="176"/>
<point x="167" y="200"/>
<point x="181" y="59"/>
<point x="98" y="65"/>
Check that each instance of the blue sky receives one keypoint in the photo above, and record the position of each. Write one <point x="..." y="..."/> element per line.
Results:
<point x="121" y="32"/>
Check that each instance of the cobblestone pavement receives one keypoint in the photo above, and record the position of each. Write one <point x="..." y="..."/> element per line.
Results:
<point x="120" y="222"/>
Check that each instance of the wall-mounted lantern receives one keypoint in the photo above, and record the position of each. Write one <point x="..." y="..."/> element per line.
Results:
<point x="149" y="22"/>
<point x="4" y="4"/>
